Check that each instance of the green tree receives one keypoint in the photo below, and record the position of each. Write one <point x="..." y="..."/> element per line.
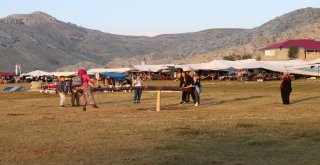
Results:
<point x="293" y="52"/>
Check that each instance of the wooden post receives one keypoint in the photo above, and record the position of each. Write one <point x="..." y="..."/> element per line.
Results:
<point x="159" y="101"/>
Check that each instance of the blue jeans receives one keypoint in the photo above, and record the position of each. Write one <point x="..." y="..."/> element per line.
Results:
<point x="137" y="94"/>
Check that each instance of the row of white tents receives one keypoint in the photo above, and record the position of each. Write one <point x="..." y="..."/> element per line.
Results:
<point x="310" y="68"/>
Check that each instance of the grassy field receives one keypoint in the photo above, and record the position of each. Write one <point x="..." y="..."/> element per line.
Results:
<point x="236" y="123"/>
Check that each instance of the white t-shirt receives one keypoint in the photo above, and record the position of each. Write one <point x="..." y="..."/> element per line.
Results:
<point x="138" y="83"/>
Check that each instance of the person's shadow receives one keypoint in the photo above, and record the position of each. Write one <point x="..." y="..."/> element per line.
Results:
<point x="304" y="99"/>
<point x="237" y="99"/>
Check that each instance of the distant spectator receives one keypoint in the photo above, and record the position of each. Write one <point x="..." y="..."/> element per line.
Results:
<point x="137" y="92"/>
<point x="240" y="75"/>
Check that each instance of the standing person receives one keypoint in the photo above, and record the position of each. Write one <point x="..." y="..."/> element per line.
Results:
<point x="182" y="81"/>
<point x="187" y="82"/>
<point x="86" y="96"/>
<point x="240" y="75"/>
<point x="198" y="89"/>
<point x="62" y="90"/>
<point x="75" y="100"/>
<point x="286" y="88"/>
<point x="137" y="92"/>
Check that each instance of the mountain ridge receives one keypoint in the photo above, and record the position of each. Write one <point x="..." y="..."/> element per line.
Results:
<point x="40" y="41"/>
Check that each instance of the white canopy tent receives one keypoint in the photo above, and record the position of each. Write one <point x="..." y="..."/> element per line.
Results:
<point x="310" y="68"/>
<point x="152" y="68"/>
<point x="65" y="74"/>
<point x="193" y="67"/>
<point x="37" y="73"/>
<point x="115" y="70"/>
<point x="227" y="65"/>
<point x="278" y="66"/>
<point x="292" y="66"/>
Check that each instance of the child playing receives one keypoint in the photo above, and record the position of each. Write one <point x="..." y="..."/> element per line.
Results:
<point x="62" y="90"/>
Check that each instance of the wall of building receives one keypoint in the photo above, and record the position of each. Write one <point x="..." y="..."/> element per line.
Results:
<point x="282" y="55"/>
<point x="275" y="55"/>
<point x="312" y="55"/>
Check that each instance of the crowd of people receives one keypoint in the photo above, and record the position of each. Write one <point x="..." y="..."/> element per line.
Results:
<point x="81" y="95"/>
<point x="243" y="75"/>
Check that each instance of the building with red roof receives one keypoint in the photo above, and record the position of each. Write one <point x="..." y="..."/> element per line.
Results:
<point x="308" y="50"/>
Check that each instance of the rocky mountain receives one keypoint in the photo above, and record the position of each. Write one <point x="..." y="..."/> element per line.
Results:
<point x="40" y="41"/>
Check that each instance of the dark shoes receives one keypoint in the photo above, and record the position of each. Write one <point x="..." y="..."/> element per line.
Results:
<point x="182" y="102"/>
<point x="84" y="108"/>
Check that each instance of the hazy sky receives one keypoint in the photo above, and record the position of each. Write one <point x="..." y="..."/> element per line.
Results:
<point x="151" y="17"/>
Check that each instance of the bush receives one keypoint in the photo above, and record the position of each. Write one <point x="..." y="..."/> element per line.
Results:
<point x="293" y="52"/>
<point x="234" y="57"/>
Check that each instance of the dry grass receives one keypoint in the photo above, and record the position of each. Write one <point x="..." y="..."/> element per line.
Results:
<point x="237" y="123"/>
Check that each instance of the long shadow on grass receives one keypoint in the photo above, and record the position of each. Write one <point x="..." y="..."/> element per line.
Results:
<point x="305" y="99"/>
<point x="235" y="100"/>
<point x="205" y="101"/>
<point x="131" y="100"/>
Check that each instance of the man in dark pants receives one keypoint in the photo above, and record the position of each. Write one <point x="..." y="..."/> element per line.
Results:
<point x="74" y="95"/>
<point x="197" y="88"/>
<point x="187" y="81"/>
<point x="187" y="98"/>
<point x="286" y="89"/>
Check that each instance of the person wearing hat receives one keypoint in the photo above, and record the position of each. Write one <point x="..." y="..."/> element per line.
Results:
<point x="286" y="88"/>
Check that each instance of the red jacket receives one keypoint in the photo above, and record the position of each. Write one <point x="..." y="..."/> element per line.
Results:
<point x="85" y="78"/>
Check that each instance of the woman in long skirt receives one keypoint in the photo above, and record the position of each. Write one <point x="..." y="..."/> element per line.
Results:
<point x="286" y="89"/>
<point x="86" y="96"/>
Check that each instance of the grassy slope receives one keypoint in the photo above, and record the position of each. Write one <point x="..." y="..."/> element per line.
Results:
<point x="237" y="123"/>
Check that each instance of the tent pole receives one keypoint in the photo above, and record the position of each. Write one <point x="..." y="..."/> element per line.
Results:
<point x="158" y="107"/>
<point x="318" y="70"/>
<point x="286" y="68"/>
